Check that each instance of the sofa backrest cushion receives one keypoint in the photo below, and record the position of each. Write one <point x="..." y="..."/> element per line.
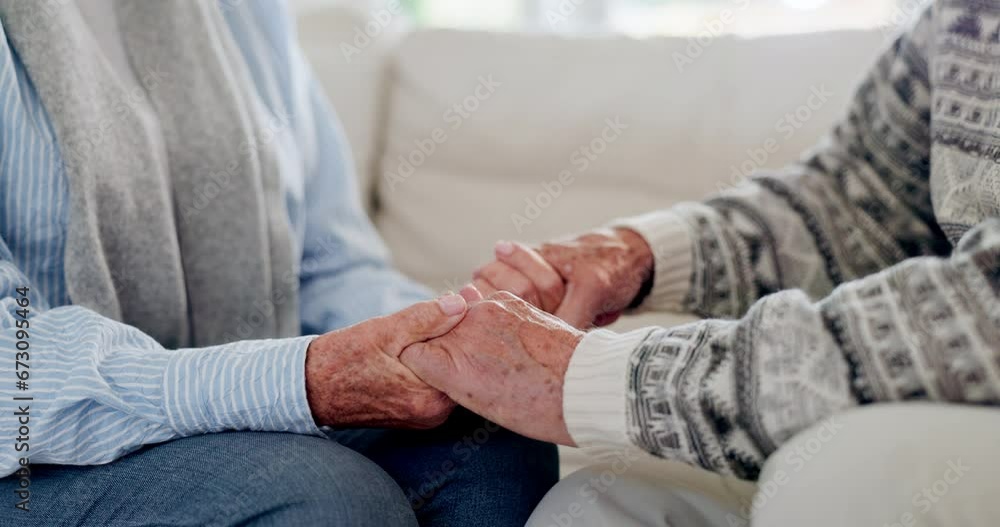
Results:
<point x="512" y="136"/>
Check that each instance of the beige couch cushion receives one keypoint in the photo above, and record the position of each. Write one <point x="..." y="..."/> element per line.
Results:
<point x="498" y="161"/>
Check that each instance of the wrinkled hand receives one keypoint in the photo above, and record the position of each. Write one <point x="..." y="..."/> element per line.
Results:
<point x="585" y="281"/>
<point x="505" y="361"/>
<point x="354" y="377"/>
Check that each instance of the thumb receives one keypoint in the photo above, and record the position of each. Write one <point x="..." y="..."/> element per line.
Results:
<point x="577" y="307"/>
<point x="423" y="321"/>
<point x="429" y="362"/>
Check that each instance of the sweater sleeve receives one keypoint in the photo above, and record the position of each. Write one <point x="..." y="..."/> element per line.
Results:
<point x="725" y="394"/>
<point x="856" y="204"/>
<point x="866" y="306"/>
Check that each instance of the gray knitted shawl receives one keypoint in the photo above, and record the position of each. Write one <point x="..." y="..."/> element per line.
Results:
<point x="189" y="242"/>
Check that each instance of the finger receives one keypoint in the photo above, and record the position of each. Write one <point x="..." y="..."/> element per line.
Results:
<point x="546" y="280"/>
<point x="577" y="307"/>
<point x="560" y="257"/>
<point x="484" y="287"/>
<point x="471" y="294"/>
<point x="423" y="321"/>
<point x="505" y="278"/>
<point x="430" y="363"/>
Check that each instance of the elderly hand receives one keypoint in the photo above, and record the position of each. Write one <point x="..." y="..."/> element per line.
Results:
<point x="585" y="281"/>
<point x="354" y="377"/>
<point x="505" y="361"/>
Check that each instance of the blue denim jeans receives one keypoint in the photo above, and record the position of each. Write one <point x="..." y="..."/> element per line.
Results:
<point x="468" y="472"/>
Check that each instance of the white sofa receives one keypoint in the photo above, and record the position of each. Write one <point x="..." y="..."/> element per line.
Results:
<point x="687" y="131"/>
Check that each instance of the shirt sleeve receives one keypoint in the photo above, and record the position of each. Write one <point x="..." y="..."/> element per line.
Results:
<point x="82" y="389"/>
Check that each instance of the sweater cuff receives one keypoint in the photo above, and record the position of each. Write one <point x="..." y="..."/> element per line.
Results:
<point x="667" y="235"/>
<point x="248" y="385"/>
<point x="595" y="392"/>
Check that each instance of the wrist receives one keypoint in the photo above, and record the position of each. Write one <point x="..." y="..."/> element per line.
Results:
<point x="596" y="391"/>
<point x="641" y="261"/>
<point x="569" y="339"/>
<point x="318" y="375"/>
<point x="564" y="436"/>
<point x="666" y="235"/>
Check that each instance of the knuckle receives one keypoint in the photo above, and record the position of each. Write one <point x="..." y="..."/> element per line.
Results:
<point x="485" y="271"/>
<point x="503" y="297"/>
<point x="432" y="409"/>
<point x="592" y="276"/>
<point x="414" y="353"/>
<point x="553" y="253"/>
<point x="477" y="312"/>
<point x="516" y="287"/>
<point x="421" y="315"/>
<point x="491" y="298"/>
<point x="373" y="332"/>
<point x="533" y="299"/>
<point x="485" y="309"/>
<point x="531" y="253"/>
<point x="490" y="308"/>
<point x="420" y="406"/>
<point x="553" y="287"/>
<point x="521" y="246"/>
<point x="436" y="421"/>
<point x="483" y="286"/>
<point x="526" y="292"/>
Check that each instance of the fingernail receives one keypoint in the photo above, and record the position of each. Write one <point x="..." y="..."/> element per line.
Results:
<point x="452" y="304"/>
<point x="504" y="247"/>
<point x="470" y="294"/>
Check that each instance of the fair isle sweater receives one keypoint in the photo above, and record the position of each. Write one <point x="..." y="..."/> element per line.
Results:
<point x="869" y="272"/>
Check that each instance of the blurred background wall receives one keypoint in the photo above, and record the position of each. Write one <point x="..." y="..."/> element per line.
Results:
<point x="648" y="17"/>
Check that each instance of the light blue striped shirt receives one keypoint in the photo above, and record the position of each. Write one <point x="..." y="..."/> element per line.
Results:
<point x="100" y="389"/>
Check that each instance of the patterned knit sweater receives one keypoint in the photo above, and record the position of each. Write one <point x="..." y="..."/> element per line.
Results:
<point x="869" y="272"/>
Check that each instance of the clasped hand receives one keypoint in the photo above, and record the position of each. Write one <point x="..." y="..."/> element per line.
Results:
<point x="500" y="356"/>
<point x="505" y="361"/>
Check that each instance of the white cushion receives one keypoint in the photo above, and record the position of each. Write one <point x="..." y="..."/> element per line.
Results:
<point x="913" y="464"/>
<point x="686" y="130"/>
